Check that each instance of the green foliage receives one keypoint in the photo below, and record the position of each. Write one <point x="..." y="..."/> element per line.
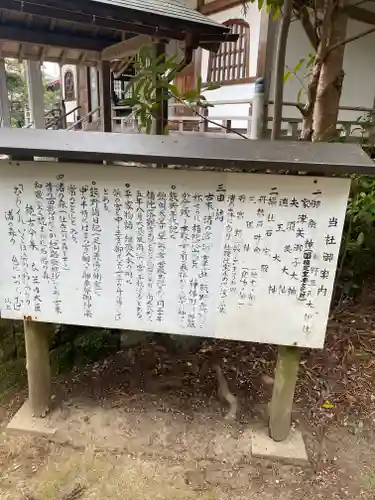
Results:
<point x="358" y="249"/>
<point x="271" y="5"/>
<point x="62" y="358"/>
<point x="93" y="344"/>
<point x="153" y="84"/>
<point x="12" y="377"/>
<point x="17" y="92"/>
<point x="302" y="72"/>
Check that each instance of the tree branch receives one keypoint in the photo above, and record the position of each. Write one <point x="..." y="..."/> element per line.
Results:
<point x="303" y="15"/>
<point x="350" y="39"/>
<point x="279" y="70"/>
<point x="360" y="2"/>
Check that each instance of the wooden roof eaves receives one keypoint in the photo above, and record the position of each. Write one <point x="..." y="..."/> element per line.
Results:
<point x="12" y="32"/>
<point x="99" y="15"/>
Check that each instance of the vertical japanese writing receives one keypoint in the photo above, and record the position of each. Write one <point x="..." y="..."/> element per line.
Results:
<point x="86" y="252"/>
<point x="228" y="256"/>
<point x="53" y="247"/>
<point x="161" y="256"/>
<point x="119" y="252"/>
<point x="185" y="212"/>
<point x="198" y="280"/>
<point x="29" y="221"/>
<point x="20" y="263"/>
<point x="36" y="293"/>
<point x="150" y="224"/>
<point x="43" y="229"/>
<point x="9" y="217"/>
<point x="140" y="252"/>
<point x="173" y="213"/>
<point x="196" y="235"/>
<point x="129" y="247"/>
<point x="16" y="267"/>
<point x="72" y="193"/>
<point x="176" y="251"/>
<point x="63" y="220"/>
<point x="96" y="232"/>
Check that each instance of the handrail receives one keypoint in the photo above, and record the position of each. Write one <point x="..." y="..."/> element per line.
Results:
<point x="55" y="119"/>
<point x="62" y="118"/>
<point x="216" y="103"/>
<point x="341" y="108"/>
<point x="71" y="111"/>
<point x="81" y="120"/>
<point x="286" y="103"/>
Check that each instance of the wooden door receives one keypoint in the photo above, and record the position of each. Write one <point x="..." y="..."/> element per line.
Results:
<point x="184" y="82"/>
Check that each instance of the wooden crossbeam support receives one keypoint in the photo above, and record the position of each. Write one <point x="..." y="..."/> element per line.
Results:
<point x="126" y="48"/>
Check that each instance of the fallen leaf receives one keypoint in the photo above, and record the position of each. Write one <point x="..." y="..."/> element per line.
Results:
<point x="352" y="399"/>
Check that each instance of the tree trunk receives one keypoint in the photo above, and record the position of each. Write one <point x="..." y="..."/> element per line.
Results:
<point x="330" y="81"/>
<point x="308" y="110"/>
<point x="280" y="66"/>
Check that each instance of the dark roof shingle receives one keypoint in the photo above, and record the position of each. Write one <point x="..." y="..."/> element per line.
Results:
<point x="171" y="8"/>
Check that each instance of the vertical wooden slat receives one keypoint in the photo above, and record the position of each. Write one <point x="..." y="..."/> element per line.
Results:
<point x="231" y="62"/>
<point x="246" y="37"/>
<point x="240" y="62"/>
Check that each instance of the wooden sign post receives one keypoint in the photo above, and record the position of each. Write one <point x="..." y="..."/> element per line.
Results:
<point x="230" y="255"/>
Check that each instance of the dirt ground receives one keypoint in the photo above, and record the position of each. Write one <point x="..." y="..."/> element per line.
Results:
<point x="147" y="424"/>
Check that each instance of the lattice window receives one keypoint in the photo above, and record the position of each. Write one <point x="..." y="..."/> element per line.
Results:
<point x="231" y="63"/>
<point x="69" y="90"/>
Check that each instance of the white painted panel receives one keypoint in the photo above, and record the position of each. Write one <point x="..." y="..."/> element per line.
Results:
<point x="237" y="256"/>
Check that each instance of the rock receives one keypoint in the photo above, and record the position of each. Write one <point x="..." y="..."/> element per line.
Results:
<point x="267" y="380"/>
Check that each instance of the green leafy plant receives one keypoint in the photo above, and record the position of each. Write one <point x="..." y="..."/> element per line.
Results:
<point x="358" y="249"/>
<point x="153" y="84"/>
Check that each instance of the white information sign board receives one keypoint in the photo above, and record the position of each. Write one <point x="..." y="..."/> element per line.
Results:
<point x="227" y="255"/>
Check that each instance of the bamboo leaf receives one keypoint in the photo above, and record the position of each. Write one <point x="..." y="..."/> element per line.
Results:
<point x="286" y="77"/>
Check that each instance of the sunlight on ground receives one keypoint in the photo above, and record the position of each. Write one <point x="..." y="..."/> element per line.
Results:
<point x="119" y="477"/>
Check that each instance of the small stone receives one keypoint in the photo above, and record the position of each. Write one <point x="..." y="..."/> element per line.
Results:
<point x="267" y="380"/>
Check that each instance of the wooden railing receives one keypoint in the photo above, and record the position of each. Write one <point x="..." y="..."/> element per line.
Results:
<point x="201" y="122"/>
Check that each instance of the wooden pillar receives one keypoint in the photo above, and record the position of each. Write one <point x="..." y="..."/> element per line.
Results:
<point x="105" y="96"/>
<point x="266" y="53"/>
<point x="36" y="93"/>
<point x="4" y="99"/>
<point x="38" y="367"/>
<point x="161" y="96"/>
<point x="255" y="128"/>
<point x="283" y="392"/>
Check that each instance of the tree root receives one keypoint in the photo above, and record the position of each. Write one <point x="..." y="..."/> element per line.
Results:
<point x="226" y="394"/>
